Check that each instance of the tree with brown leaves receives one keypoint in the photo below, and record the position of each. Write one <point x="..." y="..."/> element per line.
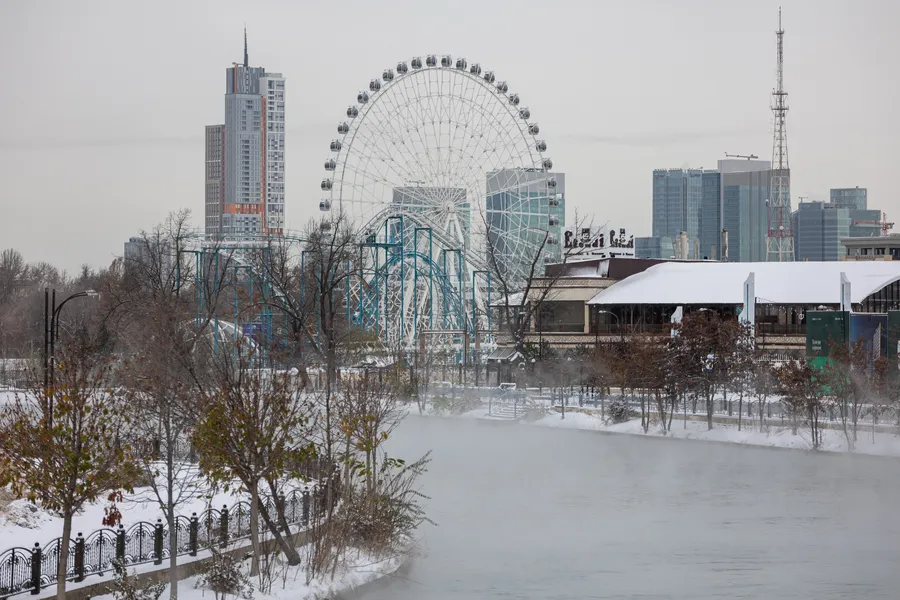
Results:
<point x="84" y="454"/>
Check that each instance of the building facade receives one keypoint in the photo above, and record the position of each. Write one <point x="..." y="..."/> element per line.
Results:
<point x="245" y="156"/>
<point x="855" y="198"/>
<point x="520" y="207"/>
<point x="885" y="247"/>
<point x="711" y="217"/>
<point x="654" y="247"/>
<point x="744" y="193"/>
<point x="818" y="228"/>
<point x="864" y="222"/>
<point x="677" y="202"/>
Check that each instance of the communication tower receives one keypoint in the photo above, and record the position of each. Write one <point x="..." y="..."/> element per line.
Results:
<point x="780" y="238"/>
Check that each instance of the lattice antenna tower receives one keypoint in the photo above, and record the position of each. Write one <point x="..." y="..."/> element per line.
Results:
<point x="780" y="238"/>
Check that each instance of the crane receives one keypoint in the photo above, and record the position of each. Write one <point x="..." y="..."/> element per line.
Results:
<point x="883" y="224"/>
<point x="747" y="156"/>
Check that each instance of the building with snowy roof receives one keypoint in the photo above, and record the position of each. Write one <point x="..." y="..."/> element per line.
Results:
<point x="600" y="301"/>
<point x="784" y="292"/>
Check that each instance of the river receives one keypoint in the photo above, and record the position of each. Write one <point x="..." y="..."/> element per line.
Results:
<point x="531" y="512"/>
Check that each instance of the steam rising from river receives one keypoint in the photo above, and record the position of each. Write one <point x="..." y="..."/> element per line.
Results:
<point x="530" y="512"/>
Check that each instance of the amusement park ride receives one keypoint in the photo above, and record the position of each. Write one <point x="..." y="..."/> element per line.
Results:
<point x="416" y="157"/>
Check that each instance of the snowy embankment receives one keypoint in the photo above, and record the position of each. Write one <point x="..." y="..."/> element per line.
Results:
<point x="289" y="583"/>
<point x="884" y="444"/>
<point x="773" y="435"/>
<point x="23" y="524"/>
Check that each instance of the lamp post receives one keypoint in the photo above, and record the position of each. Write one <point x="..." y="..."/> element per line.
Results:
<point x="51" y="334"/>
<point x="597" y="330"/>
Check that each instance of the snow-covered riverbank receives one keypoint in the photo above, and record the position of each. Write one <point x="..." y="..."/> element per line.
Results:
<point x="884" y="444"/>
<point x="773" y="435"/>
<point x="289" y="583"/>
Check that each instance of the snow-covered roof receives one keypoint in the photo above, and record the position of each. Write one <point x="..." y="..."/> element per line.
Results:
<point x="674" y="283"/>
<point x="513" y="299"/>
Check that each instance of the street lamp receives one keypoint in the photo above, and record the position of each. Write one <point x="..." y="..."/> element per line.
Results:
<point x="597" y="329"/>
<point x="51" y="333"/>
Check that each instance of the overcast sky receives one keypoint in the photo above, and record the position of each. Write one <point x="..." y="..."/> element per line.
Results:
<point x="104" y="102"/>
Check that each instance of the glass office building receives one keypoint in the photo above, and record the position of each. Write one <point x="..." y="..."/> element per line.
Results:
<point x="654" y="247"/>
<point x="818" y="229"/>
<point x="744" y="192"/>
<point x="519" y="208"/>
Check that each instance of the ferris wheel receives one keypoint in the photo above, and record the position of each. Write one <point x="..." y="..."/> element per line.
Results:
<point x="441" y="166"/>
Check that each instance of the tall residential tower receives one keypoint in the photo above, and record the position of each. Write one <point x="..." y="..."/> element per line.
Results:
<point x="245" y="156"/>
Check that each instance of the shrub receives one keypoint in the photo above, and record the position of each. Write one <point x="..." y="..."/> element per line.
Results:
<point x="618" y="411"/>
<point x="225" y="578"/>
<point x="126" y="587"/>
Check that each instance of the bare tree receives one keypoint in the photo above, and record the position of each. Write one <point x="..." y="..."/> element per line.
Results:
<point x="706" y="343"/>
<point x="522" y="287"/>
<point x="740" y="366"/>
<point x="314" y="296"/>
<point x="162" y="324"/>
<point x="803" y="396"/>
<point x="762" y="382"/>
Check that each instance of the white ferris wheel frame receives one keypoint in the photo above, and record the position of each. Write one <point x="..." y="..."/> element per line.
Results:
<point x="478" y="96"/>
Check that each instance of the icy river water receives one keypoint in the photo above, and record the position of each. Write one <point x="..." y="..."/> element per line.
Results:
<point x="532" y="512"/>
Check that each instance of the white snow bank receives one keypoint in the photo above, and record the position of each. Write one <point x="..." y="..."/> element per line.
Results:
<point x="884" y="444"/>
<point x="290" y="583"/>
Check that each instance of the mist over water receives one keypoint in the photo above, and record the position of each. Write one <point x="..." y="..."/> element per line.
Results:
<point x="531" y="512"/>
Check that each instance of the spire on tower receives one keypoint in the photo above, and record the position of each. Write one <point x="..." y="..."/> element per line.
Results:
<point x="246" y="58"/>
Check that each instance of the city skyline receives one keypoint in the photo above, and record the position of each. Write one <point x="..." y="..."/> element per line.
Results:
<point x="117" y="167"/>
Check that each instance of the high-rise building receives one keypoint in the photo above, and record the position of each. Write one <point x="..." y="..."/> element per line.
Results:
<point x="520" y="207"/>
<point x="688" y="200"/>
<point x="744" y="191"/>
<point x="677" y="202"/>
<point x="215" y="178"/>
<point x="654" y="247"/>
<point x="711" y="216"/>
<point x="149" y="259"/>
<point x="710" y="205"/>
<point x="245" y="156"/>
<point x="818" y="228"/>
<point x="855" y="198"/>
<point x="864" y="222"/>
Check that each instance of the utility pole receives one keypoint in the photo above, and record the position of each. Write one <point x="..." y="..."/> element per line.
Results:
<point x="780" y="238"/>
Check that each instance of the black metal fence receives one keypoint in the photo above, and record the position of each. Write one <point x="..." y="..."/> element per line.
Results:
<point x="30" y="569"/>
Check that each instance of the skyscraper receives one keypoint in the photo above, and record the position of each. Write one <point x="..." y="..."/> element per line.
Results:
<point x="677" y="202"/>
<point x="864" y="222"/>
<point x="688" y="200"/>
<point x="245" y="156"/>
<point x="818" y="228"/>
<point x="520" y="207"/>
<point x="711" y="216"/>
<point x="745" y="191"/>
<point x="856" y="198"/>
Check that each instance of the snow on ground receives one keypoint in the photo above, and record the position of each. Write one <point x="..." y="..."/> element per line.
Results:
<point x="23" y="523"/>
<point x="290" y="582"/>
<point x="884" y="444"/>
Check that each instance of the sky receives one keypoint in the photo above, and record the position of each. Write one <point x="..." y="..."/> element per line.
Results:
<point x="105" y="102"/>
